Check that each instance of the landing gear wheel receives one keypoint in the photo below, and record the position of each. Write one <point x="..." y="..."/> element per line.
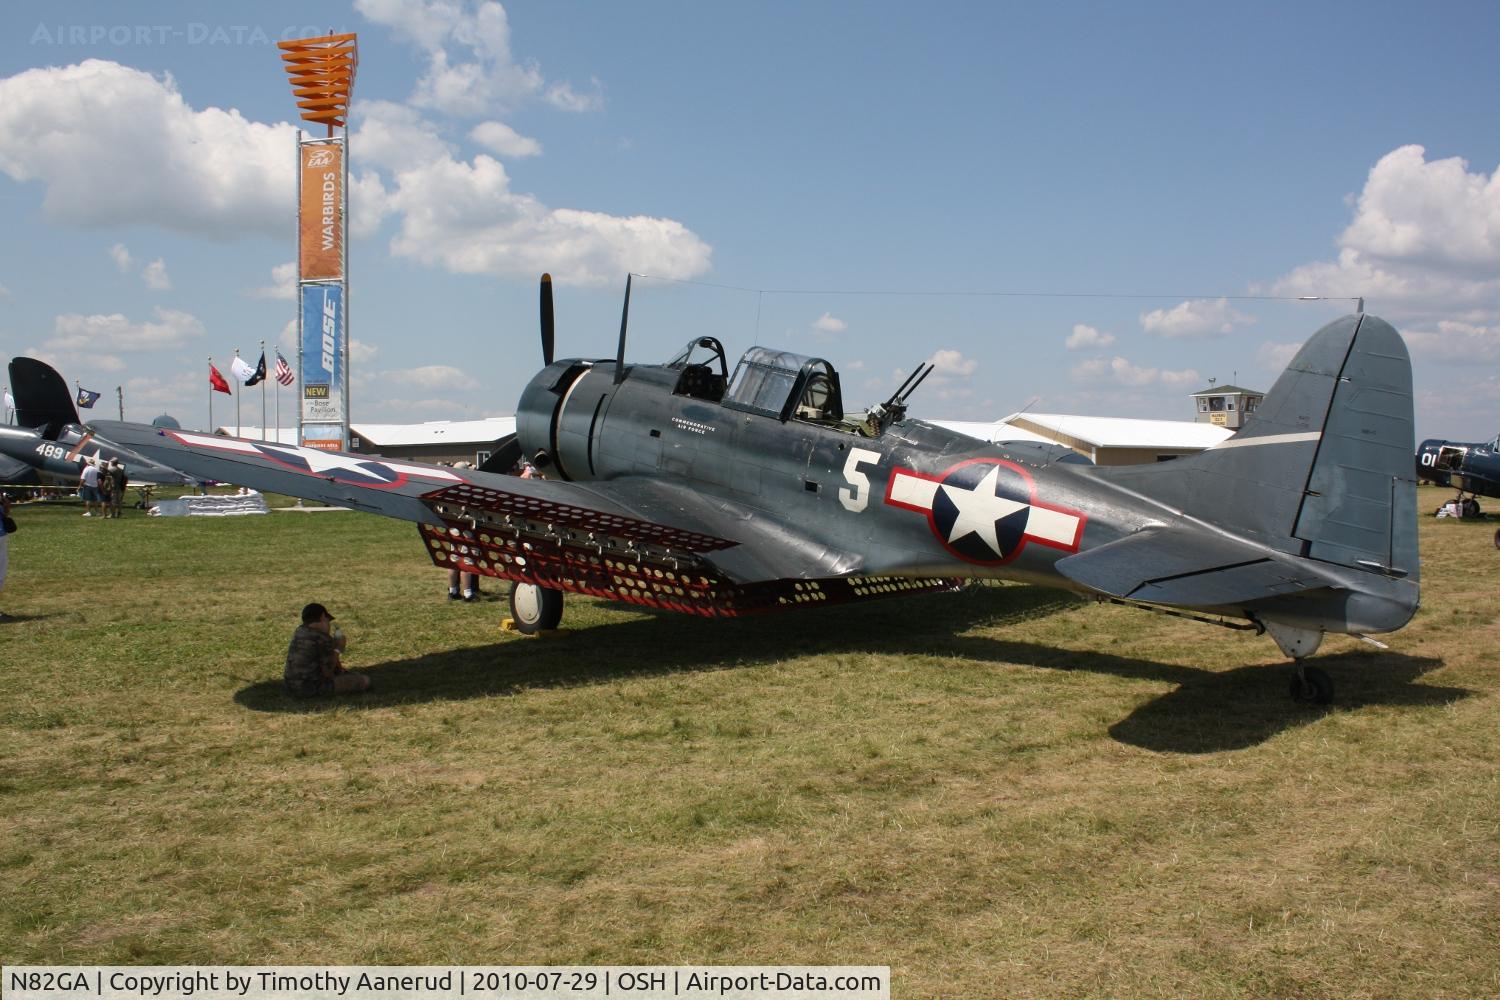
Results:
<point x="535" y="608"/>
<point x="1311" y="685"/>
<point x="1497" y="538"/>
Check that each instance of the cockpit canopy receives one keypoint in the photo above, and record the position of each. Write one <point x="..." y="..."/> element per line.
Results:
<point x="785" y="385"/>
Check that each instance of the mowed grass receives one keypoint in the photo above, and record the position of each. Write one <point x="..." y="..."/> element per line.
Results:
<point x="1005" y="792"/>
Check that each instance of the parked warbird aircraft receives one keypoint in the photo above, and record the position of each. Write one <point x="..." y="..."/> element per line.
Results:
<point x="678" y="486"/>
<point x="1471" y="467"/>
<point x="49" y="438"/>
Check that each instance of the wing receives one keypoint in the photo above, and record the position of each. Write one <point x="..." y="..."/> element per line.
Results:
<point x="14" y="472"/>
<point x="631" y="515"/>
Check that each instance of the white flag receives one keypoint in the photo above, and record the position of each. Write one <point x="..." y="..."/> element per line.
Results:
<point x="10" y="401"/>
<point x="241" y="370"/>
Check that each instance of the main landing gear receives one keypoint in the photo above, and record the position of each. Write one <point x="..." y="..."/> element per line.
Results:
<point x="535" y="608"/>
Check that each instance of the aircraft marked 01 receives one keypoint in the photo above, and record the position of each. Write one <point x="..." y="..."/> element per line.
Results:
<point x="985" y="510"/>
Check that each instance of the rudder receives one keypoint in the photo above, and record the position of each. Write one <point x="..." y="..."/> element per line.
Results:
<point x="42" y="397"/>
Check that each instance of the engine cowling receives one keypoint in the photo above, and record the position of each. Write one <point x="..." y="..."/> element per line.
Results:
<point x="558" y="417"/>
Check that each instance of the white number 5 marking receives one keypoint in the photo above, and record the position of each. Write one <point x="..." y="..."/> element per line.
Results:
<point x="857" y="499"/>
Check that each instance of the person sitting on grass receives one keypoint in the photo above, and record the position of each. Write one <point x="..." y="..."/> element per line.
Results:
<point x="313" y="665"/>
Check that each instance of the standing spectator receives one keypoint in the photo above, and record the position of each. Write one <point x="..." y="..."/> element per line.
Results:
<point x="106" y="489"/>
<point x="4" y="546"/>
<point x="470" y="583"/>
<point x="88" y="488"/>
<point x="120" y="480"/>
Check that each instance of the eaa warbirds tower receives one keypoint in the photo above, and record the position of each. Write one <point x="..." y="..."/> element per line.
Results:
<point x="321" y="71"/>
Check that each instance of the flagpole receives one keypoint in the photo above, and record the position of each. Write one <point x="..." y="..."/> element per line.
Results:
<point x="277" y="438"/>
<point x="120" y="392"/>
<point x="210" y="394"/>
<point x="262" y="391"/>
<point x="238" y="394"/>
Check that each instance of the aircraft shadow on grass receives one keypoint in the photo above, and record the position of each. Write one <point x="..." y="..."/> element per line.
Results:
<point x="1207" y="711"/>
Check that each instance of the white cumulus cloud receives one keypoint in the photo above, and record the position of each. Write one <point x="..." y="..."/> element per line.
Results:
<point x="94" y="342"/>
<point x="563" y="97"/>
<point x="503" y="140"/>
<point x="1424" y="243"/>
<point x="395" y="136"/>
<point x="1124" y="372"/>
<point x="828" y="323"/>
<point x="1193" y="318"/>
<point x="1276" y="356"/>
<point x="283" y="283"/>
<point x="470" y="68"/>
<point x="1084" y="336"/>
<point x="113" y="332"/>
<point x="1453" y="342"/>
<point x="155" y="276"/>
<point x="117" y="146"/>
<point x="465" y="218"/>
<point x="948" y="363"/>
<point x="432" y="377"/>
<point x="359" y="350"/>
<point x="121" y="256"/>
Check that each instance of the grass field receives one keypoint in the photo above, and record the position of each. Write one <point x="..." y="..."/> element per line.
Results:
<point x="1005" y="792"/>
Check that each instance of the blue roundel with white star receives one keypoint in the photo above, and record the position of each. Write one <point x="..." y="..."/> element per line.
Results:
<point x="985" y="510"/>
<point x="980" y="510"/>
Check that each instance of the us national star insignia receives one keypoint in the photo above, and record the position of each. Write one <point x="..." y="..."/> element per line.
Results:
<point x="985" y="510"/>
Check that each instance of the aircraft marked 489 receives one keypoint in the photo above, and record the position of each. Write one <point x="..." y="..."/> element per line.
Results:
<point x="985" y="510"/>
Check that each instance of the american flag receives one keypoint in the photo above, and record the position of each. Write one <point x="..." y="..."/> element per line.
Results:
<point x="284" y="371"/>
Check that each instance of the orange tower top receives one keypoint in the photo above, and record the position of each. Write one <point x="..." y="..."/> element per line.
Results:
<point x="322" y="74"/>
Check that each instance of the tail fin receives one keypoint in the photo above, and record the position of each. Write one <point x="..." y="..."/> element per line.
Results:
<point x="42" y="397"/>
<point x="1324" y="469"/>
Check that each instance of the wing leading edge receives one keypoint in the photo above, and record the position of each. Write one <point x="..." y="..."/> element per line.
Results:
<point x="632" y="514"/>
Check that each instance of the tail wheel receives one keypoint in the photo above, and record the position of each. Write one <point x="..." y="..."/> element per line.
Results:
<point x="1311" y="685"/>
<point x="534" y="608"/>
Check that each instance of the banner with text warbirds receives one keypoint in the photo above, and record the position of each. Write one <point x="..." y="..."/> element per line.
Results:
<point x="320" y="216"/>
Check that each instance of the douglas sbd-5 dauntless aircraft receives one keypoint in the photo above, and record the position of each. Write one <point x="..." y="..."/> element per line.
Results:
<point x="678" y="486"/>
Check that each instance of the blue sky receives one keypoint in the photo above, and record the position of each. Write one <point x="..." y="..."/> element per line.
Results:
<point x="1153" y="166"/>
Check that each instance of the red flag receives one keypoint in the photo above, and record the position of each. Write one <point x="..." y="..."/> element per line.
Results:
<point x="216" y="380"/>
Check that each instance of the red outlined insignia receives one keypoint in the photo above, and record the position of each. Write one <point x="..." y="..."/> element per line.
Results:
<point x="985" y="510"/>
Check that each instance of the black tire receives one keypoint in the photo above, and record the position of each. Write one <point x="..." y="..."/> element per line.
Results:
<point x="535" y="608"/>
<point x="1312" y="687"/>
<point x="1497" y="538"/>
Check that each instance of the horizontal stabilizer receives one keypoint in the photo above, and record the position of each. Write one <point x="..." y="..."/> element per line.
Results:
<point x="1189" y="568"/>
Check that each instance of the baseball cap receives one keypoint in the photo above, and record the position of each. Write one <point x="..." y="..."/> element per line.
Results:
<point x="315" y="612"/>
